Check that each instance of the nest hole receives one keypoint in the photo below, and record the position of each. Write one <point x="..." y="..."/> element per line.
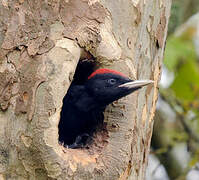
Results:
<point x="97" y="139"/>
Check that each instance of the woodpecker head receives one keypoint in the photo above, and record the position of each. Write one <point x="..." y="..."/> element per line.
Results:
<point x="107" y="85"/>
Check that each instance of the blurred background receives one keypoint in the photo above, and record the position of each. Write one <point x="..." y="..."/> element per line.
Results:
<point x="175" y="142"/>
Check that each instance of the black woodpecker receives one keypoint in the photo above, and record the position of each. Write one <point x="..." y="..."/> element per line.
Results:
<point x="83" y="105"/>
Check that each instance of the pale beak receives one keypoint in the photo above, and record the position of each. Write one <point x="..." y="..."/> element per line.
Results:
<point x="136" y="84"/>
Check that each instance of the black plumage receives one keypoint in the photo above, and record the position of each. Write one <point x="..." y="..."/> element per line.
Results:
<point x="84" y="104"/>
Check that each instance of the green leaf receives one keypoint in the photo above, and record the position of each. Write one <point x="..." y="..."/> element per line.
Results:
<point x="187" y="78"/>
<point x="177" y="49"/>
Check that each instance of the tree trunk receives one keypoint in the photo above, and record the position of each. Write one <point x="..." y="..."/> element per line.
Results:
<point x="41" y="43"/>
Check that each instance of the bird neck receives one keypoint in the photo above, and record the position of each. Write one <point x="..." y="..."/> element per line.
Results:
<point x="87" y="103"/>
<point x="79" y="97"/>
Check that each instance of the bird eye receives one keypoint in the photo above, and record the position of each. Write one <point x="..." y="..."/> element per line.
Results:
<point x="112" y="81"/>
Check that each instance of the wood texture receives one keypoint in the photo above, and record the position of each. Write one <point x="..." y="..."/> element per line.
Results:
<point x="40" y="45"/>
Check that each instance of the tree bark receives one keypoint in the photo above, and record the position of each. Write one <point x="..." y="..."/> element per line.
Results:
<point x="41" y="43"/>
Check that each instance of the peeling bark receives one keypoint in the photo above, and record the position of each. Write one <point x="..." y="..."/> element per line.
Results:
<point x="41" y="43"/>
